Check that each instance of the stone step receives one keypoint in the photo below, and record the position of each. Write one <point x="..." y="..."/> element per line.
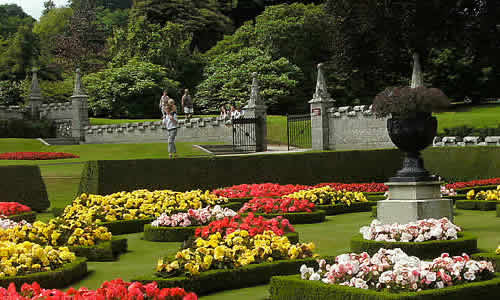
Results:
<point x="60" y="141"/>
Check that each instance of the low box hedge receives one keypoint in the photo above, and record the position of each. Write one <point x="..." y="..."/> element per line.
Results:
<point x="23" y="184"/>
<point x="376" y="197"/>
<point x="241" y="200"/>
<point x="295" y="288"/>
<point x="374" y="211"/>
<point x="29" y="217"/>
<point x="476" y="204"/>
<point x="466" y="243"/>
<point x="229" y="279"/>
<point x="498" y="210"/>
<point x="489" y="256"/>
<point x="337" y="209"/>
<point x="59" y="278"/>
<point x="316" y="216"/>
<point x="104" y="251"/>
<point x="233" y="205"/>
<point x="126" y="226"/>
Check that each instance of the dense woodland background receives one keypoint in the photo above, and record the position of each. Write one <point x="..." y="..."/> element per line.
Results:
<point x="130" y="51"/>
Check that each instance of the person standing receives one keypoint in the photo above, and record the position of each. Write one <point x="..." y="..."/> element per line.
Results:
<point x="187" y="104"/>
<point x="163" y="102"/>
<point x="170" y="121"/>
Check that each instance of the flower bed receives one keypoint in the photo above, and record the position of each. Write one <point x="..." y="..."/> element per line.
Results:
<point x="36" y="155"/>
<point x="419" y="231"/>
<point x="343" y="208"/>
<point x="259" y="190"/>
<point x="110" y="290"/>
<point x="13" y="208"/>
<point x="328" y="195"/>
<point x="316" y="216"/>
<point x="56" y="278"/>
<point x="103" y="251"/>
<point x="277" y="205"/>
<point x="464" y="243"/>
<point x="483" y="205"/>
<point x="372" y="187"/>
<point x="194" y="217"/>
<point x="394" y="271"/>
<point x="29" y="217"/>
<point x="489" y="195"/>
<point x="473" y="183"/>
<point x="493" y="257"/>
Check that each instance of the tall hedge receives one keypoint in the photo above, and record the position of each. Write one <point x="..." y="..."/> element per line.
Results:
<point x="23" y="184"/>
<point x="105" y="177"/>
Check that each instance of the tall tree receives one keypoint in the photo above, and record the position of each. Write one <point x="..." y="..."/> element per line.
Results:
<point x="48" y="6"/>
<point x="20" y="55"/>
<point x="11" y="17"/>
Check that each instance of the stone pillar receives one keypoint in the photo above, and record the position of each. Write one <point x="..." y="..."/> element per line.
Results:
<point x="321" y="102"/>
<point x="257" y="109"/>
<point x="79" y="107"/>
<point x="35" y="96"/>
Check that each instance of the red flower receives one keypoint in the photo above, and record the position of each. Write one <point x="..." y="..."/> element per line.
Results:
<point x="36" y="155"/>
<point x="473" y="183"/>
<point x="13" y="208"/>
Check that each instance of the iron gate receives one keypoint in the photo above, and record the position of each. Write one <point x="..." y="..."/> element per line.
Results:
<point x="298" y="129"/>
<point x="244" y="135"/>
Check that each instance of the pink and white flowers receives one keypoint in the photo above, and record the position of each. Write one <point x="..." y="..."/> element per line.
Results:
<point x="419" y="231"/>
<point x="393" y="270"/>
<point x="8" y="223"/>
<point x="194" y="217"/>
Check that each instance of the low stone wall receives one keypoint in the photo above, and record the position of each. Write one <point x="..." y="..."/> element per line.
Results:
<point x="11" y="112"/>
<point x="56" y="111"/>
<point x="197" y="130"/>
<point x="356" y="128"/>
<point x="466" y="141"/>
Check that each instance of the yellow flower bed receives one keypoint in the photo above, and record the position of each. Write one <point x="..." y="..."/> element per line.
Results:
<point x="235" y="250"/>
<point x="498" y="250"/>
<point x="140" y="204"/>
<point x="490" y="195"/>
<point x="328" y="195"/>
<point x="25" y="258"/>
<point x="57" y="232"/>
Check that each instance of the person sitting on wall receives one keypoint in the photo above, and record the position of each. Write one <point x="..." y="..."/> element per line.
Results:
<point x="187" y="104"/>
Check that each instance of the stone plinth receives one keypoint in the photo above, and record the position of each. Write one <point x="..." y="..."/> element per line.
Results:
<point x="412" y="201"/>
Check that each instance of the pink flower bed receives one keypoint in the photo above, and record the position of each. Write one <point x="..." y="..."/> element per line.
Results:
<point x="194" y="217"/>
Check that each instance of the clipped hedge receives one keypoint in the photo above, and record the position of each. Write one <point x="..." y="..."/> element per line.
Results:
<point x="59" y="278"/>
<point x="466" y="243"/>
<point x="337" y="209"/>
<point x="316" y="216"/>
<point x="295" y="288"/>
<point x="23" y="184"/>
<point x="375" y="197"/>
<point x="374" y="211"/>
<point x="489" y="256"/>
<point x="29" y="217"/>
<point x="168" y="234"/>
<point x="498" y="210"/>
<point x="109" y="176"/>
<point x="103" y="251"/>
<point x="126" y="226"/>
<point x="229" y="279"/>
<point x="476" y="204"/>
<point x="477" y="188"/>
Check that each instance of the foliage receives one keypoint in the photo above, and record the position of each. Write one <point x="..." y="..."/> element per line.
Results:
<point x="12" y="17"/>
<point x="132" y="90"/>
<point x="56" y="91"/>
<point x="27" y="129"/>
<point x="18" y="57"/>
<point x="10" y="93"/>
<point x="228" y="78"/>
<point x="52" y="24"/>
<point x="405" y="101"/>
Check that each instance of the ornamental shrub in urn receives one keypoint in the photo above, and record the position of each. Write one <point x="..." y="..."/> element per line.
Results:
<point x="411" y="127"/>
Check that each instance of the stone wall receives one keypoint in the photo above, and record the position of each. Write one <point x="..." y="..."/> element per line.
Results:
<point x="56" y="111"/>
<point x="466" y="141"/>
<point x="355" y="127"/>
<point x="12" y="112"/>
<point x="197" y="130"/>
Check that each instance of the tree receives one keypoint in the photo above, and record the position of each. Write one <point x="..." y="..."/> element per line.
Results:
<point x="20" y="55"/>
<point x="52" y="24"/>
<point x="48" y="6"/>
<point x="11" y="17"/>
<point x="227" y="79"/>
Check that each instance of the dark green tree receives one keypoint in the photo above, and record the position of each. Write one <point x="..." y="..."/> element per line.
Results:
<point x="11" y="17"/>
<point x="48" y="6"/>
<point x="20" y="54"/>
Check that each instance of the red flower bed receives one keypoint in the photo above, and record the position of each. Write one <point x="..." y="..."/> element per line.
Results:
<point x="277" y="205"/>
<point x="36" y="155"/>
<point x="472" y="183"/>
<point x="259" y="190"/>
<point x="112" y="290"/>
<point x="13" y="208"/>
<point x="372" y="187"/>
<point x="254" y="225"/>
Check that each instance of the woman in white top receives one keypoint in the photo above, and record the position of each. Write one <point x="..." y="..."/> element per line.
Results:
<point x="170" y="120"/>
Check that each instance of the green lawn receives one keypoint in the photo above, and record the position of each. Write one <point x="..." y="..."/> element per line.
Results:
<point x="473" y="116"/>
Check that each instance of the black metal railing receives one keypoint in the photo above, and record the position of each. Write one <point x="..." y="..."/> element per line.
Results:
<point x="244" y="139"/>
<point x="298" y="129"/>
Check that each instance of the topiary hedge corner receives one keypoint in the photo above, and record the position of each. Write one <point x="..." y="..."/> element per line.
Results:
<point x="466" y="243"/>
<point x="126" y="226"/>
<point x="29" y="217"/>
<point x="103" y="251"/>
<point x="295" y="288"/>
<point x="23" y="184"/>
<point x="316" y="216"/>
<point x="168" y="234"/>
<point x="476" y="204"/>
<point x="59" y="278"/>
<point x="489" y="256"/>
<point x="337" y="209"/>
<point x="229" y="279"/>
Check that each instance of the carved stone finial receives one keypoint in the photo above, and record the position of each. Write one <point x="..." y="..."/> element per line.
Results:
<point x="417" y="78"/>
<point x="254" y="92"/>
<point x="36" y="92"/>
<point x="321" y="93"/>
<point x="78" y="91"/>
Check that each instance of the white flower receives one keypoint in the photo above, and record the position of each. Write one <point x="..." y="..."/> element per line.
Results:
<point x="431" y="276"/>
<point x="469" y="276"/>
<point x="315" y="276"/>
<point x="439" y="284"/>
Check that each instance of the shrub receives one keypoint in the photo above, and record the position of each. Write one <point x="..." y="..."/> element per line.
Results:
<point x="27" y="129"/>
<point x="14" y="187"/>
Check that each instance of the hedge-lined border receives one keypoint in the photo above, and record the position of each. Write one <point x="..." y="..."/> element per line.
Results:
<point x="58" y="278"/>
<point x="498" y="210"/>
<point x="376" y="198"/>
<point x="489" y="256"/>
<point x="229" y="279"/>
<point x="466" y="243"/>
<point x="374" y="211"/>
<point x="29" y="217"/>
<point x="337" y="209"/>
<point x="316" y="216"/>
<point x="126" y="226"/>
<point x="181" y="234"/>
<point x="103" y="251"/>
<point x="477" y="188"/>
<point x="483" y="205"/>
<point x="456" y="197"/>
<point x="294" y="288"/>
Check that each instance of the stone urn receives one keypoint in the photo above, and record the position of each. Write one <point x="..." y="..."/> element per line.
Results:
<point x="412" y="134"/>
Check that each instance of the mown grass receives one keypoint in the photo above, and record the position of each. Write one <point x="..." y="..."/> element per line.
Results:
<point x="482" y="116"/>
